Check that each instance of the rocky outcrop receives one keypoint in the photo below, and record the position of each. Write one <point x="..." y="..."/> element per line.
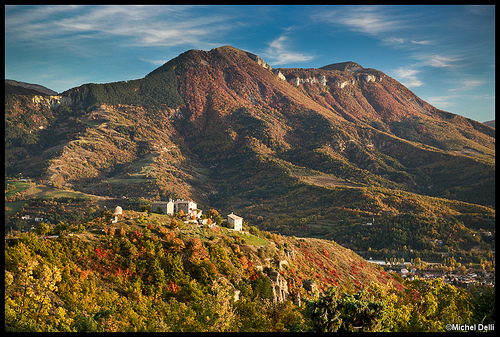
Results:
<point x="367" y="78"/>
<point x="344" y="83"/>
<point x="320" y="79"/>
<point x="263" y="64"/>
<point x="280" y="75"/>
<point x="259" y="61"/>
<point x="52" y="101"/>
<point x="279" y="286"/>
<point x="310" y="285"/>
<point x="360" y="77"/>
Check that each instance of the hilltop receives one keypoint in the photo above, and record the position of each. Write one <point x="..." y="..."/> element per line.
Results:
<point x="23" y="88"/>
<point x="118" y="277"/>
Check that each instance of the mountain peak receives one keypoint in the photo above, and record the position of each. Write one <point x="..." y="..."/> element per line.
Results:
<point x="201" y="56"/>
<point x="343" y="66"/>
<point x="24" y="88"/>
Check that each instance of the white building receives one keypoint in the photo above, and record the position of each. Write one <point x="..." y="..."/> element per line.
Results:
<point x="187" y="206"/>
<point x="235" y="222"/>
<point x="118" y="210"/>
<point x="170" y="207"/>
<point x="165" y="207"/>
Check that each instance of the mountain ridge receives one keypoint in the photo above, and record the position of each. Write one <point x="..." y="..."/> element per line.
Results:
<point x="358" y="128"/>
<point x="13" y="86"/>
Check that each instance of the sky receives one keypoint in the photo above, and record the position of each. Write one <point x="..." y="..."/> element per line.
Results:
<point x="444" y="54"/>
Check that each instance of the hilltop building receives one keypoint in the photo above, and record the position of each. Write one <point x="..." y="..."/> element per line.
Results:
<point x="164" y="207"/>
<point x="170" y="207"/>
<point x="235" y="221"/>
<point x="118" y="210"/>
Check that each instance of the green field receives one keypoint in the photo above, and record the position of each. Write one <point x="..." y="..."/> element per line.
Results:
<point x="13" y="187"/>
<point x="51" y="192"/>
<point x="33" y="190"/>
<point x="250" y="239"/>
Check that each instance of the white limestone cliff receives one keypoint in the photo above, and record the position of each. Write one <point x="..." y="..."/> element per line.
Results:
<point x="52" y="101"/>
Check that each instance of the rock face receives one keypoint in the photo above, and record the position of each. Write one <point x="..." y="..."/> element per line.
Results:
<point x="320" y="79"/>
<point x="259" y="61"/>
<point x="280" y="75"/>
<point x="361" y="77"/>
<point x="279" y="286"/>
<point x="367" y="78"/>
<point x="310" y="286"/>
<point x="344" y="83"/>
<point x="52" y="101"/>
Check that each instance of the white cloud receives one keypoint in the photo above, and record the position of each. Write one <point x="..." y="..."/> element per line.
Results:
<point x="371" y="20"/>
<point x="279" y="53"/>
<point x="440" y="61"/>
<point x="138" y="25"/>
<point x="423" y="42"/>
<point x="408" y="77"/>
<point x="441" y="101"/>
<point x="468" y="85"/>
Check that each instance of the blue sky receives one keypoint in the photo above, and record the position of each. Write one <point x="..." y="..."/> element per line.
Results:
<point x="445" y="54"/>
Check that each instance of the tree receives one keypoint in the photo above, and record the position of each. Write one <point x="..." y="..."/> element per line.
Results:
<point x="218" y="220"/>
<point x="32" y="308"/>
<point x="344" y="312"/>
<point x="437" y="304"/>
<point x="174" y="224"/>
<point x="262" y="287"/>
<point x="43" y="229"/>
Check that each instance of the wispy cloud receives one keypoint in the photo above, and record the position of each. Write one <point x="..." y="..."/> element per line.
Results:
<point x="423" y="42"/>
<point x="469" y="84"/>
<point x="371" y="20"/>
<point x="396" y="29"/>
<point x="278" y="52"/>
<point x="440" y="61"/>
<point x="408" y="77"/>
<point x="138" y="25"/>
<point x="441" y="101"/>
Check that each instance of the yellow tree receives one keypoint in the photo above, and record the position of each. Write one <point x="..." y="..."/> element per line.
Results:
<point x="31" y="303"/>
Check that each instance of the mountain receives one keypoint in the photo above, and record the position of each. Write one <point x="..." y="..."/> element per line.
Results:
<point x="226" y="129"/>
<point x="22" y="88"/>
<point x="490" y="123"/>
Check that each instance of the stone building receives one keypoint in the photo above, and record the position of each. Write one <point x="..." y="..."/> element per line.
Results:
<point x="164" y="207"/>
<point x="187" y="206"/>
<point x="235" y="222"/>
<point x="170" y="207"/>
